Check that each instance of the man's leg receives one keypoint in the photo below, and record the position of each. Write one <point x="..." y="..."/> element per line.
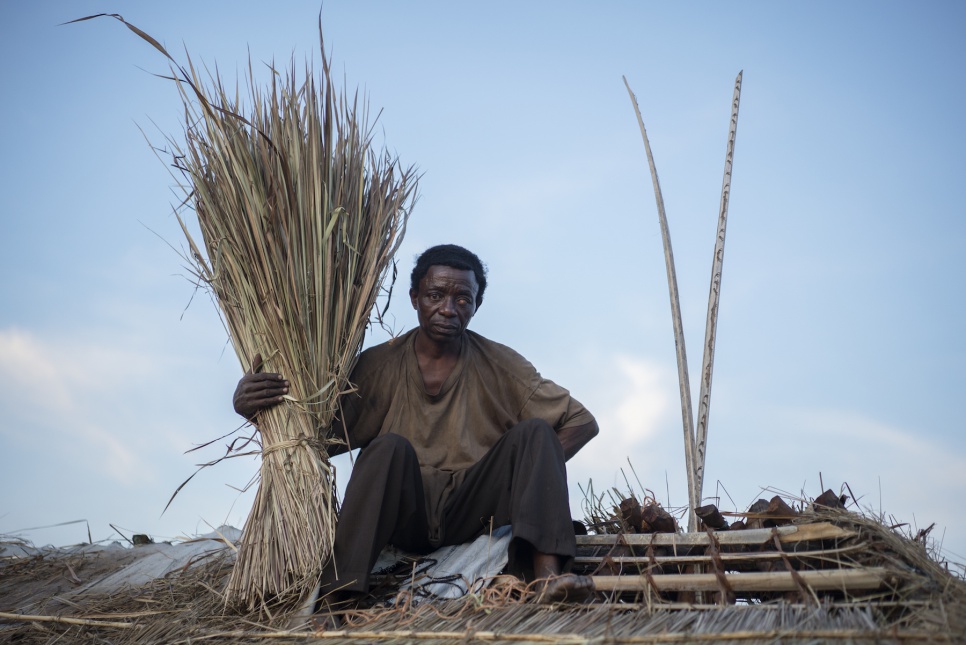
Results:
<point x="521" y="481"/>
<point x="383" y="503"/>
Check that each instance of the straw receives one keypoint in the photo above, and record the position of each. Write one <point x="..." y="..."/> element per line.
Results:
<point x="300" y="215"/>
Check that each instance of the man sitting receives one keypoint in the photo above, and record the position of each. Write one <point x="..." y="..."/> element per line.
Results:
<point x="459" y="435"/>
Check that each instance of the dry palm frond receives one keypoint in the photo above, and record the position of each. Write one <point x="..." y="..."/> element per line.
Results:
<point x="300" y="217"/>
<point x="684" y="381"/>
<point x="695" y="437"/>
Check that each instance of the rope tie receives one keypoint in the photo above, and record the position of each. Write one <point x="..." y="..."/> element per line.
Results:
<point x="308" y="442"/>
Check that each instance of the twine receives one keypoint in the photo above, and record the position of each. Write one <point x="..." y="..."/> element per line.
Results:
<point x="308" y="442"/>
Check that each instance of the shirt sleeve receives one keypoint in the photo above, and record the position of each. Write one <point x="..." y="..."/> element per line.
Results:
<point x="362" y="408"/>
<point x="554" y="404"/>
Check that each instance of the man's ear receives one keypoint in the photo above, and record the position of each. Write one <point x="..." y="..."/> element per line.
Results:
<point x="412" y="297"/>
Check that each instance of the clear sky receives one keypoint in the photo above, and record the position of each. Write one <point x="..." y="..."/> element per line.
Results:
<point x="840" y="341"/>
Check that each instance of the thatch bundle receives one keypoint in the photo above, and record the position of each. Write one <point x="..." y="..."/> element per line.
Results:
<point x="300" y="217"/>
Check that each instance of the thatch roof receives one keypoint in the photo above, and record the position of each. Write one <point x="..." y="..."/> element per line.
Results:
<point x="915" y="598"/>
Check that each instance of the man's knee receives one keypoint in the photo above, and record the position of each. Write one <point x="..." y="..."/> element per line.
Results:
<point x="387" y="448"/>
<point x="389" y="441"/>
<point x="535" y="434"/>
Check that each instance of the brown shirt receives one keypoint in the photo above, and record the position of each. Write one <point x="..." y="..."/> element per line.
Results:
<point x="491" y="389"/>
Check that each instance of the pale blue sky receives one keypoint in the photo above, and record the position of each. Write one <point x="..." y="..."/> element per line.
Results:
<point x="840" y="338"/>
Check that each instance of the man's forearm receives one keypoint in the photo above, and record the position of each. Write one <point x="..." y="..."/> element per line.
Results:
<point x="574" y="438"/>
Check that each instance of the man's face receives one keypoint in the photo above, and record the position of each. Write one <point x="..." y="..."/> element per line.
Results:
<point x="445" y="302"/>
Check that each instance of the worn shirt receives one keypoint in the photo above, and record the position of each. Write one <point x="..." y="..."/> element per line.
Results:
<point x="490" y="390"/>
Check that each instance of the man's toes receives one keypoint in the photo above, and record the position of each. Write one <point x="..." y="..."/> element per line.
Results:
<point x="566" y="588"/>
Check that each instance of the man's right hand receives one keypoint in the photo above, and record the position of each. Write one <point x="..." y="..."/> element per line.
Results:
<point x="257" y="391"/>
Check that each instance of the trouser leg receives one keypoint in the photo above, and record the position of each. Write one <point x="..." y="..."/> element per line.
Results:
<point x="384" y="502"/>
<point x="521" y="481"/>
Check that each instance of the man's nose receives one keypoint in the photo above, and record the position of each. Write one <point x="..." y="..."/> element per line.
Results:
<point x="448" y="307"/>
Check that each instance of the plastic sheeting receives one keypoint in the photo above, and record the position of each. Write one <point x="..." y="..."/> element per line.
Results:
<point x="452" y="571"/>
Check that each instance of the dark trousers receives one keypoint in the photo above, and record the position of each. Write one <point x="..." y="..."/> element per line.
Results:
<point x="521" y="481"/>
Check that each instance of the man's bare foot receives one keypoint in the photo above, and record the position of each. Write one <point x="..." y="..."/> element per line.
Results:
<point x="568" y="587"/>
<point x="328" y="613"/>
<point x="330" y="607"/>
<point x="326" y="622"/>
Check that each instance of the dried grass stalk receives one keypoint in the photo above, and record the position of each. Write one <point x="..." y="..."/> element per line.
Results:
<point x="300" y="217"/>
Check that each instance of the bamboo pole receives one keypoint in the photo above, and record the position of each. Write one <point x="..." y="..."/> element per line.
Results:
<point x="711" y="323"/>
<point x="87" y="622"/>
<point x="672" y="283"/>
<point x="786" y="534"/>
<point x="468" y="635"/>
<point x="830" y="579"/>
<point x="756" y="556"/>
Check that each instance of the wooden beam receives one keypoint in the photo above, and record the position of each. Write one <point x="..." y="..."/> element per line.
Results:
<point x="787" y="534"/>
<point x="706" y="559"/>
<point x="67" y="620"/>
<point x="824" y="580"/>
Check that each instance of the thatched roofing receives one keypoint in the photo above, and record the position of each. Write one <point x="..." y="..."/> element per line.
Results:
<point x="918" y="600"/>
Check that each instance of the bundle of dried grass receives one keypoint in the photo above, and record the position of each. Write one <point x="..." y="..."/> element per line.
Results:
<point x="300" y="217"/>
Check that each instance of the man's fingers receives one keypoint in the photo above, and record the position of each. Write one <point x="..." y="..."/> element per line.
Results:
<point x="258" y="390"/>
<point x="266" y="394"/>
<point x="265" y="381"/>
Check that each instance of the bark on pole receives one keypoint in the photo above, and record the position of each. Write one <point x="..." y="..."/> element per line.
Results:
<point x="711" y="323"/>
<point x="672" y="282"/>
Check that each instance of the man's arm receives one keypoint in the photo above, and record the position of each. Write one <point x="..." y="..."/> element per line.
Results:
<point x="257" y="391"/>
<point x="574" y="438"/>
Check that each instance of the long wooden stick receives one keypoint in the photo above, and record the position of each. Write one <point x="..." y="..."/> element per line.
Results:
<point x="786" y="534"/>
<point x="755" y="556"/>
<point x="711" y="323"/>
<point x="769" y="635"/>
<point x="842" y="579"/>
<point x="672" y="283"/>
<point x="64" y="619"/>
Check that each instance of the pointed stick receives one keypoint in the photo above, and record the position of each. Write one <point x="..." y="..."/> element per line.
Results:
<point x="711" y="324"/>
<point x="672" y="283"/>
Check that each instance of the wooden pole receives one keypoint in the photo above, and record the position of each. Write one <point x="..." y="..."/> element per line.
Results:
<point x="766" y="635"/>
<point x="711" y="323"/>
<point x="672" y="283"/>
<point x="831" y="579"/>
<point x="753" y="557"/>
<point x="786" y="534"/>
<point x="66" y="620"/>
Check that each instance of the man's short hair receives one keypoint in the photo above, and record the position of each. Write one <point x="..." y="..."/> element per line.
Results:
<point x="450" y="255"/>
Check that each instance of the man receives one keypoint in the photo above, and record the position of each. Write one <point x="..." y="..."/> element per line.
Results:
<point x="458" y="434"/>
